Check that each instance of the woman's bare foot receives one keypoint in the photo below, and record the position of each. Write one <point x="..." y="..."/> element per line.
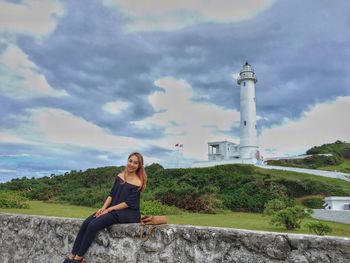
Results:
<point x="71" y="256"/>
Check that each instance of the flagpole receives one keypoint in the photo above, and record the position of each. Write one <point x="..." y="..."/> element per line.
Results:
<point x="182" y="152"/>
<point x="177" y="157"/>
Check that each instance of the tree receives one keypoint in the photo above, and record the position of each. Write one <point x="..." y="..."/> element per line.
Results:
<point x="319" y="228"/>
<point x="273" y="206"/>
<point x="290" y="217"/>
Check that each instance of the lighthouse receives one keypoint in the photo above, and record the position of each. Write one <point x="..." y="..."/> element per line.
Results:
<point x="247" y="152"/>
<point x="248" y="148"/>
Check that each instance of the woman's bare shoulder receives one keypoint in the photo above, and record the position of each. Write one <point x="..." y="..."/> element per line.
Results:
<point x="135" y="181"/>
<point x="121" y="175"/>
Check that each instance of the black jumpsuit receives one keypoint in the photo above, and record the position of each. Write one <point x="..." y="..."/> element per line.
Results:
<point x="121" y="192"/>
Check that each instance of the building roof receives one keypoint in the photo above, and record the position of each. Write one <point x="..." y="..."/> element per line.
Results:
<point x="218" y="142"/>
<point x="337" y="198"/>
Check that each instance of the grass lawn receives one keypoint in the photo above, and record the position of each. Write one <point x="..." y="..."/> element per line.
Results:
<point x="249" y="221"/>
<point x="52" y="209"/>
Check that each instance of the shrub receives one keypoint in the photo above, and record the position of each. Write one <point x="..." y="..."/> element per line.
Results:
<point x="273" y="206"/>
<point x="313" y="202"/>
<point x="319" y="228"/>
<point x="290" y="217"/>
<point x="187" y="197"/>
<point x="11" y="199"/>
<point x="253" y="195"/>
<point x="157" y="208"/>
<point x="299" y="188"/>
<point x="295" y="188"/>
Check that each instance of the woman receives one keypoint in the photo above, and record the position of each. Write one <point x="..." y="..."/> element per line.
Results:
<point x="121" y="206"/>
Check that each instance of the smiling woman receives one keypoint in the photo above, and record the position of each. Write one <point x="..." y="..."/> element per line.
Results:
<point x="121" y="206"/>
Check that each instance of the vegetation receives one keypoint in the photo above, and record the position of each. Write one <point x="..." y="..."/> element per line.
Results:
<point x="311" y="162"/>
<point x="274" y="206"/>
<point x="208" y="190"/>
<point x="339" y="159"/>
<point x="284" y="213"/>
<point x="11" y="199"/>
<point x="319" y="228"/>
<point x="338" y="149"/>
<point x="149" y="207"/>
<point x="183" y="193"/>
<point x="290" y="217"/>
<point x="240" y="220"/>
<point x="313" y="202"/>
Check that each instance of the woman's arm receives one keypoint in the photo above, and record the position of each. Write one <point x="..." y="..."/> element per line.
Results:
<point x="119" y="206"/>
<point x="104" y="207"/>
<point x="107" y="202"/>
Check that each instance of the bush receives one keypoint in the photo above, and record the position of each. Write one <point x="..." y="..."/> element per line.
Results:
<point x="187" y="197"/>
<point x="295" y="188"/>
<point x="290" y="217"/>
<point x="299" y="188"/>
<point x="313" y="202"/>
<point x="253" y="195"/>
<point x="273" y="206"/>
<point x="319" y="228"/>
<point x="157" y="208"/>
<point x="10" y="199"/>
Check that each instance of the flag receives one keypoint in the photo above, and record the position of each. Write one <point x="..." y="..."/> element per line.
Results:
<point x="176" y="145"/>
<point x="181" y="145"/>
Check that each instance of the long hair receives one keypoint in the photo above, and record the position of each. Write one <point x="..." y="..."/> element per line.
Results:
<point x="140" y="172"/>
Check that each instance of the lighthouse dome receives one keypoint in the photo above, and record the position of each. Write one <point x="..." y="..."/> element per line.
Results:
<point x="247" y="73"/>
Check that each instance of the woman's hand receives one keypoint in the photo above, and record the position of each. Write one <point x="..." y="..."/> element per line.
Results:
<point x="99" y="212"/>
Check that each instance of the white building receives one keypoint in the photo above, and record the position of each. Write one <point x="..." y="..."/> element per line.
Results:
<point x="223" y="152"/>
<point x="337" y="203"/>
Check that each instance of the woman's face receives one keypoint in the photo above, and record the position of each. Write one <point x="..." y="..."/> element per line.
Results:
<point x="133" y="164"/>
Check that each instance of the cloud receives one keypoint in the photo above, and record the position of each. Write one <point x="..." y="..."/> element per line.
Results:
<point x="152" y="15"/>
<point x="21" y="78"/>
<point x="115" y="107"/>
<point x="29" y="16"/>
<point x="186" y="121"/>
<point x="61" y="127"/>
<point x="6" y="137"/>
<point x="324" y="123"/>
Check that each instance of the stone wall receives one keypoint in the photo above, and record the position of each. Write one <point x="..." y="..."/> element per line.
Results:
<point x="47" y="239"/>
<point x="340" y="216"/>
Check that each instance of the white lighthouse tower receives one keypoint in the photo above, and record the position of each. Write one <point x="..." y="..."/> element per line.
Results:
<point x="248" y="148"/>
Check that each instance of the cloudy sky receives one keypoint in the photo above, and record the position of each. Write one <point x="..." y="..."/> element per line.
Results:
<point x="84" y="83"/>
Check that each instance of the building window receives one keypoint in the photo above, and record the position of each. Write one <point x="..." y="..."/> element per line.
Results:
<point x="243" y="83"/>
<point x="245" y="123"/>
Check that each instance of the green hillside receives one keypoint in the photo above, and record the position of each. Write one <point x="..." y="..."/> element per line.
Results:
<point x="338" y="148"/>
<point x="234" y="187"/>
<point x="338" y="161"/>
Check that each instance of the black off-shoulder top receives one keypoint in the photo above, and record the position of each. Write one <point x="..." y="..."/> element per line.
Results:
<point x="130" y="194"/>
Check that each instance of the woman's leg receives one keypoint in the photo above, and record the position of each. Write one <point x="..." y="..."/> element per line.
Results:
<point x="81" y="234"/>
<point x="93" y="227"/>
